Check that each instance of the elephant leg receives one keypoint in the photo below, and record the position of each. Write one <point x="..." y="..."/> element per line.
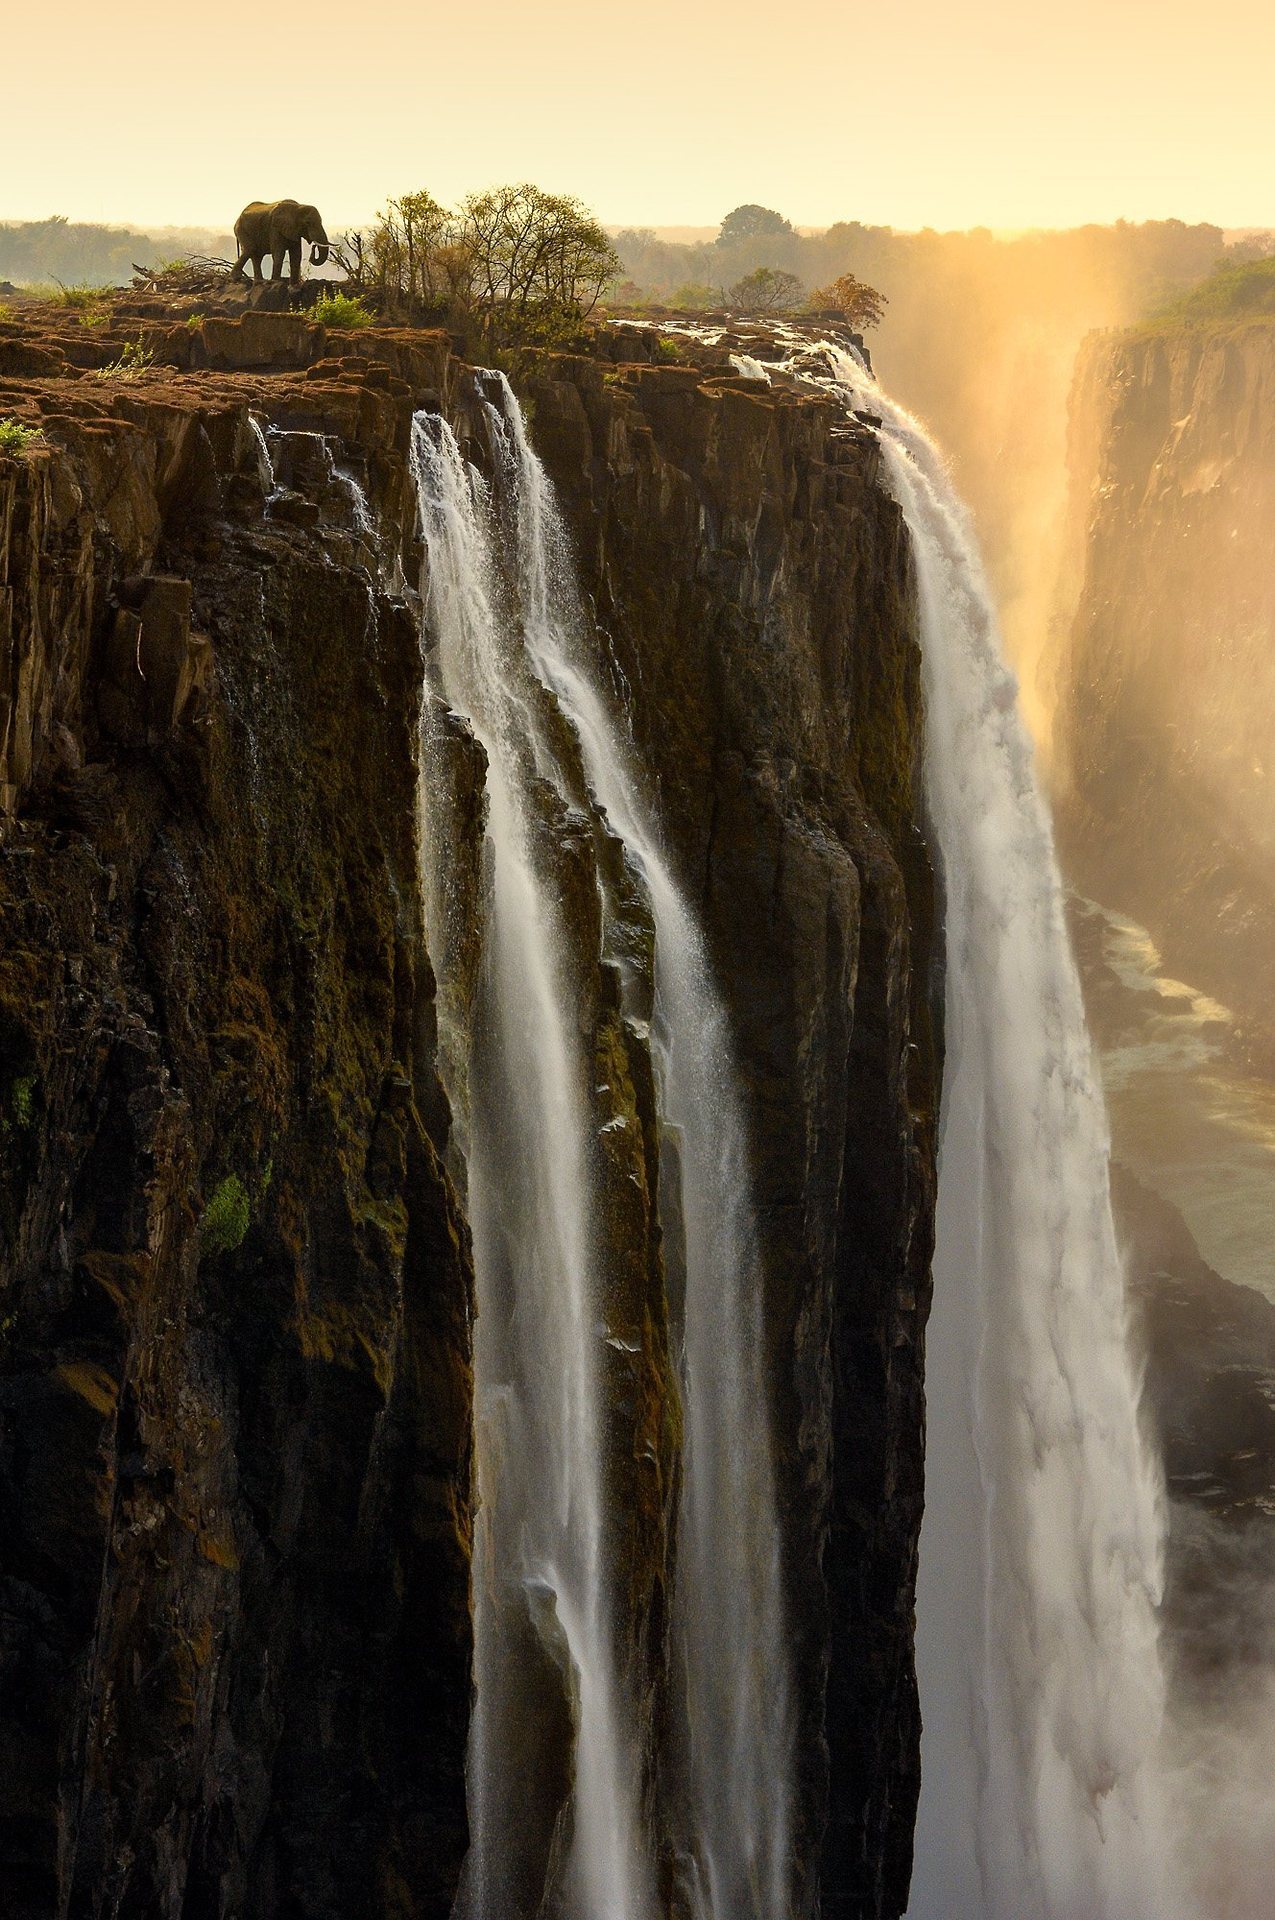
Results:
<point x="238" y="270"/>
<point x="257" y="274"/>
<point x="294" y="263"/>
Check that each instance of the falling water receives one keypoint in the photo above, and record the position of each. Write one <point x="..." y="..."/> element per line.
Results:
<point x="265" y="465"/>
<point x="360" y="508"/>
<point x="541" y="1573"/>
<point x="540" y="1421"/>
<point x="1041" y="1685"/>
<point x="736" y="1703"/>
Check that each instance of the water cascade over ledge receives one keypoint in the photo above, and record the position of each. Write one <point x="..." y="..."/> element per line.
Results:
<point x="1042" y="1693"/>
<point x="509" y="666"/>
<point x="1040" y="1674"/>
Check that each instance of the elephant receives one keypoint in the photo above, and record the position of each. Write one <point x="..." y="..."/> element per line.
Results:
<point x="277" y="228"/>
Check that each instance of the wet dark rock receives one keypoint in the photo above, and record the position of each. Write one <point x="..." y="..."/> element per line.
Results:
<point x="235" y="1504"/>
<point x="1211" y="1393"/>
<point x="1211" y="1362"/>
<point x="752" y="587"/>
<point x="234" y="1385"/>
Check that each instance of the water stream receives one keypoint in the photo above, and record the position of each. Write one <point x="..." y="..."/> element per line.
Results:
<point x="541" y="1566"/>
<point x="502" y="603"/>
<point x="1041" y="1680"/>
<point x="1043" y="1794"/>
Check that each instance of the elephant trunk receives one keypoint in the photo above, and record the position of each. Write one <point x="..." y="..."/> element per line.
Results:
<point x="319" y="253"/>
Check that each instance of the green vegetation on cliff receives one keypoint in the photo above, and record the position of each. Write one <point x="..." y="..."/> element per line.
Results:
<point x="15" y="438"/>
<point x="340" y="310"/>
<point x="1234" y="291"/>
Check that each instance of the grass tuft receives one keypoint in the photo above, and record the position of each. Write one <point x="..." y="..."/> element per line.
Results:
<point x="340" y="310"/>
<point x="82" y="298"/>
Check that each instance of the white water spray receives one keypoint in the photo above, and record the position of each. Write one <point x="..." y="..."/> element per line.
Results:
<point x="1041" y="1686"/>
<point x="541" y="1573"/>
<point x="737" y="1724"/>
<point x="265" y="462"/>
<point x="537" y="1377"/>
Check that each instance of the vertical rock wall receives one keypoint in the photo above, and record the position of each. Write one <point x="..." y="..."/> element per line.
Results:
<point x="234" y="1325"/>
<point x="234" y="1412"/>
<point x="751" y="583"/>
<point x="1167" y="683"/>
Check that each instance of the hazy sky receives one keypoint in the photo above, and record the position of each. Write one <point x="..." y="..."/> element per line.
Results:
<point x="909" y="112"/>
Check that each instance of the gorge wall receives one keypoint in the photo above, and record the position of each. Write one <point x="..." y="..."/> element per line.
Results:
<point x="235" y="1445"/>
<point x="1166" y="684"/>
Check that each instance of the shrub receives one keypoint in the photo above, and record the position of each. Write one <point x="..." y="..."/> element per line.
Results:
<point x="15" y="437"/>
<point x="90" y="318"/>
<point x="194" y="320"/>
<point x="765" y="290"/>
<point x="23" y="1100"/>
<point x="135" y="358"/>
<point x="861" y="304"/>
<point x="225" y="1218"/>
<point x="340" y="310"/>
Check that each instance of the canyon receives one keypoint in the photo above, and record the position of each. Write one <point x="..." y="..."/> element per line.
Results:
<point x="1164" y="670"/>
<point x="489" y="864"/>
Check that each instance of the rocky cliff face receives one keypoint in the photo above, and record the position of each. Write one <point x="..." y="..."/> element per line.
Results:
<point x="1167" y="684"/>
<point x="234" y="1387"/>
<point x="752" y="584"/>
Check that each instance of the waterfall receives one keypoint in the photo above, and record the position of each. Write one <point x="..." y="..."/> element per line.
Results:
<point x="540" y="1553"/>
<point x="512" y="648"/>
<point x="1041" y="1686"/>
<point x="736" y="1702"/>
<point x="261" y="450"/>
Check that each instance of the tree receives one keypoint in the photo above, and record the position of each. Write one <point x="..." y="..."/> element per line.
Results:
<point x="861" y="304"/>
<point x="521" y="264"/>
<point x="753" y="223"/>
<point x="766" y="290"/>
<point x="403" y="248"/>
<point x="695" y="296"/>
<point x="534" y="251"/>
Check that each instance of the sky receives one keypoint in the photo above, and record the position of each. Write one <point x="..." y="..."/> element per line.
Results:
<point x="906" y="112"/>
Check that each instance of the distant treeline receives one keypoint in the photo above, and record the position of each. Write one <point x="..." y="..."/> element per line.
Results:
<point x="1149" y="263"/>
<point x="79" y="254"/>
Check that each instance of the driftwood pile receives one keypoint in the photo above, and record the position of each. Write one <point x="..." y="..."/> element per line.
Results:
<point x="191" y="275"/>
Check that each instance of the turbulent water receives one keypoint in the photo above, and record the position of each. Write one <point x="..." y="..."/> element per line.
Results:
<point x="512" y="662"/>
<point x="1042" y="1692"/>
